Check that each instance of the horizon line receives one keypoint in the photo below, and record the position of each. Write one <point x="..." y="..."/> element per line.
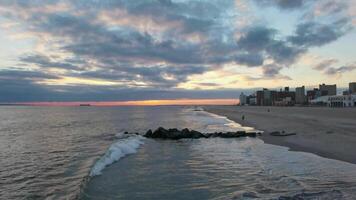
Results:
<point x="153" y="102"/>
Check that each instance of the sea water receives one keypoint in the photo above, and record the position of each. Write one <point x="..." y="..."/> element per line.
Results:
<point x="82" y="153"/>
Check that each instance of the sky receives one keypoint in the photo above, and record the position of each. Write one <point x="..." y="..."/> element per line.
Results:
<point x="134" y="50"/>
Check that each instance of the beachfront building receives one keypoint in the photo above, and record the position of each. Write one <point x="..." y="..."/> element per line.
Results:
<point x="313" y="94"/>
<point x="327" y="90"/>
<point x="285" y="98"/>
<point x="266" y="97"/>
<point x="342" y="101"/>
<point x="252" y="100"/>
<point x="352" y="88"/>
<point x="243" y="99"/>
<point x="320" y="101"/>
<point x="300" y="97"/>
<point x="263" y="97"/>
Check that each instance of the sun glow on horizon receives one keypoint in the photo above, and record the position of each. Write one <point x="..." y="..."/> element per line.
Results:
<point x="165" y="102"/>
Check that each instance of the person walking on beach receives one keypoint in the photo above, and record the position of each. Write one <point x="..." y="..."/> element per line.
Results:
<point x="243" y="117"/>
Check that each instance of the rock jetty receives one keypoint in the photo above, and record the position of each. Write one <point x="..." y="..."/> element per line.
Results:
<point x="175" y="134"/>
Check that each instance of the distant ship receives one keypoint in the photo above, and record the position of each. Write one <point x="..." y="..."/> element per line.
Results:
<point x="84" y="104"/>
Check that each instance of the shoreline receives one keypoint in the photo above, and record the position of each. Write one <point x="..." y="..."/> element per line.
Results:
<point x="326" y="132"/>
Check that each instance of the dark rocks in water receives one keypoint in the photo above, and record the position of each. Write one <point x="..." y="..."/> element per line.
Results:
<point x="175" y="134"/>
<point x="149" y="132"/>
<point x="278" y="133"/>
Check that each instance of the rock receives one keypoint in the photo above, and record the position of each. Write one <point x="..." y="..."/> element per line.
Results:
<point x="149" y="133"/>
<point x="196" y="134"/>
<point x="160" y="133"/>
<point x="283" y="133"/>
<point x="175" y="134"/>
<point x="252" y="134"/>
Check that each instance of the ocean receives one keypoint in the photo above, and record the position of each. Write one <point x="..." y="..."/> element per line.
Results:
<point x="82" y="153"/>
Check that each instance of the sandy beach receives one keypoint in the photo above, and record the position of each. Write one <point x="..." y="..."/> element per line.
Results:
<point x="327" y="132"/>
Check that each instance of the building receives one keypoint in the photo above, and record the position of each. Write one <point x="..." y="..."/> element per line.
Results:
<point x="342" y="101"/>
<point x="259" y="98"/>
<point x="243" y="99"/>
<point x="265" y="97"/>
<point x="327" y="90"/>
<point x="320" y="101"/>
<point x="352" y="88"/>
<point x="313" y="94"/>
<point x="285" y="98"/>
<point x="300" y="97"/>
<point x="252" y="100"/>
<point x="346" y="92"/>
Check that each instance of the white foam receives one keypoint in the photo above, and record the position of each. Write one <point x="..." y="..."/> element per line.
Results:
<point x="116" y="151"/>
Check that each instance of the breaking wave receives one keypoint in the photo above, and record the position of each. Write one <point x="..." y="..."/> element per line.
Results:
<point x="124" y="146"/>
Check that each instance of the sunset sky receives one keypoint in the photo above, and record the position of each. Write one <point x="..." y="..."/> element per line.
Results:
<point x="124" y="50"/>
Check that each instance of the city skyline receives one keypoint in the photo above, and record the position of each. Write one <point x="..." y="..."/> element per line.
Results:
<point x="171" y="49"/>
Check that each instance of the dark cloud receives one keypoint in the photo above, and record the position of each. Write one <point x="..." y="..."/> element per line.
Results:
<point x="157" y="76"/>
<point x="311" y="34"/>
<point x="283" y="4"/>
<point x="325" y="64"/>
<point x="284" y="53"/>
<point x="251" y="60"/>
<point x="195" y="16"/>
<point x="271" y="70"/>
<point x="256" y="39"/>
<point x="45" y="62"/>
<point x="260" y="43"/>
<point x="340" y="70"/>
<point x="25" y="91"/>
<point x="19" y="85"/>
<point x="24" y="75"/>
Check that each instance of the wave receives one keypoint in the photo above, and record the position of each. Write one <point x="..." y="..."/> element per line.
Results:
<point x="116" y="151"/>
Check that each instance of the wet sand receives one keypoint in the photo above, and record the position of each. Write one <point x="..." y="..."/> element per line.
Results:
<point x="327" y="132"/>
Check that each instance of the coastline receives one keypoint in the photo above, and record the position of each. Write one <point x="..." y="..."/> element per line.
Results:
<point x="327" y="132"/>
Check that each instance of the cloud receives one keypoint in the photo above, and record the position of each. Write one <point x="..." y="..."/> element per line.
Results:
<point x="327" y="8"/>
<point x="257" y="38"/>
<point x="327" y="68"/>
<point x="325" y="64"/>
<point x="340" y="70"/>
<point x="155" y="45"/>
<point x="45" y="62"/>
<point x="24" y="75"/>
<point x="260" y="43"/>
<point x="251" y="60"/>
<point x="20" y="85"/>
<point x="272" y="71"/>
<point x="282" y="4"/>
<point x="310" y="34"/>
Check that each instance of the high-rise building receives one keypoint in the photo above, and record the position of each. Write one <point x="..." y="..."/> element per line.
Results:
<point x="243" y="99"/>
<point x="327" y="90"/>
<point x="352" y="88"/>
<point x="300" y="97"/>
<point x="285" y="98"/>
<point x="259" y="98"/>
